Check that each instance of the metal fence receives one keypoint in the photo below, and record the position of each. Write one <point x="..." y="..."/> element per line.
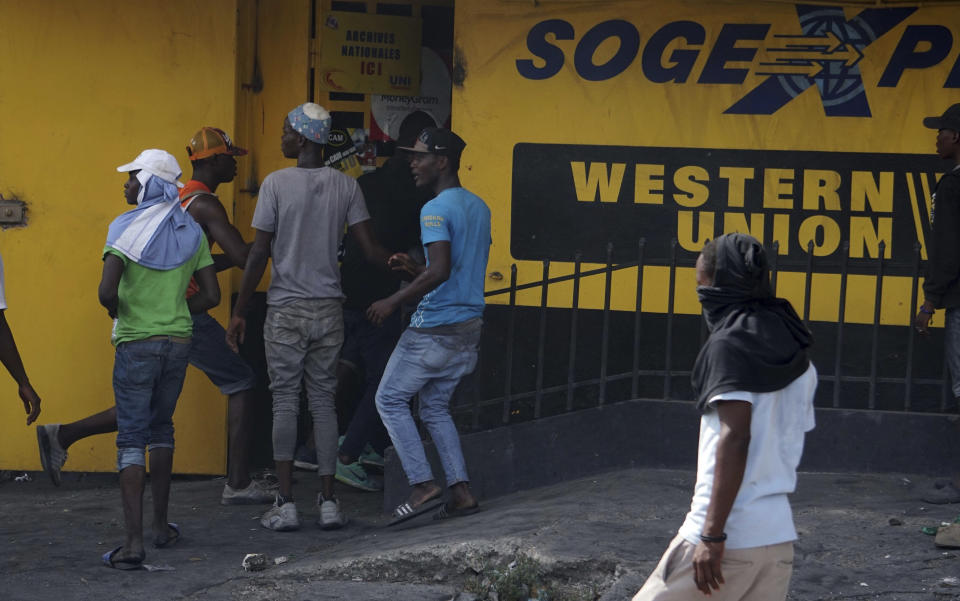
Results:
<point x="499" y="363"/>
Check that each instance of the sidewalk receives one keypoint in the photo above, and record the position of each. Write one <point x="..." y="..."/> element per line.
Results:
<point x="594" y="538"/>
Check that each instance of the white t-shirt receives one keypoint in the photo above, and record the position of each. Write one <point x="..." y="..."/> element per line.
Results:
<point x="308" y="211"/>
<point x="761" y="513"/>
<point x="3" y="291"/>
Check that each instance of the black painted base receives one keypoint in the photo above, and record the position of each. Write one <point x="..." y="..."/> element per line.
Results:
<point x="663" y="434"/>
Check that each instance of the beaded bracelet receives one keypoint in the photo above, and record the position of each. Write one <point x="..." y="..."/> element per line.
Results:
<point x="713" y="539"/>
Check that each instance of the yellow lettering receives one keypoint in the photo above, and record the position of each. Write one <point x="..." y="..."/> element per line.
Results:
<point x="736" y="188"/>
<point x="688" y="239"/>
<point x="778" y="188"/>
<point x="737" y="222"/>
<point x="864" y="237"/>
<point x="864" y="188"/>
<point x="687" y="179"/>
<point x="821" y="185"/>
<point x="809" y="230"/>
<point x="645" y="186"/>
<point x="781" y="232"/>
<point x="588" y="184"/>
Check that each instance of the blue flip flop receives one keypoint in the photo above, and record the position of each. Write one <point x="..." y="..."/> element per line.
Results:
<point x="170" y="540"/>
<point x="133" y="563"/>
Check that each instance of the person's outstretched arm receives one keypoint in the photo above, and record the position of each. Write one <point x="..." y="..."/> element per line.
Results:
<point x="434" y="274"/>
<point x="252" y="273"/>
<point x="368" y="243"/>
<point x="732" y="448"/>
<point x="10" y="357"/>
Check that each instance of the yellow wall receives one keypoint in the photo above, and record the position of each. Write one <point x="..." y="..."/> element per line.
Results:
<point x="274" y="35"/>
<point x="85" y="87"/>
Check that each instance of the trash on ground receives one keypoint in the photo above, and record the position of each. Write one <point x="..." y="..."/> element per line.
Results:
<point x="948" y="536"/>
<point x="158" y="567"/>
<point x="279" y="560"/>
<point x="896" y="522"/>
<point x="24" y="477"/>
<point x="950" y="581"/>
<point x="254" y="562"/>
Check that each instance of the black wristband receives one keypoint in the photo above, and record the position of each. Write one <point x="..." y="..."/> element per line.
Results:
<point x="922" y="310"/>
<point x="713" y="539"/>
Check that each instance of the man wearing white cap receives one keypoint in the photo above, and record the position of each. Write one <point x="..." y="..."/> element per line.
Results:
<point x="300" y="219"/>
<point x="151" y="253"/>
<point x="212" y="155"/>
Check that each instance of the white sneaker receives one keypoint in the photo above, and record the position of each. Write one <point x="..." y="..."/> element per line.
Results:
<point x="331" y="517"/>
<point x="52" y="455"/>
<point x="282" y="518"/>
<point x="256" y="493"/>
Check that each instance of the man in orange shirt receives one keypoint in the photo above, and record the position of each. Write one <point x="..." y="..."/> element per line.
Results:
<point x="212" y="156"/>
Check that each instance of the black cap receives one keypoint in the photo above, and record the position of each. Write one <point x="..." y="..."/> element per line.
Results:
<point x="950" y="119"/>
<point x="438" y="140"/>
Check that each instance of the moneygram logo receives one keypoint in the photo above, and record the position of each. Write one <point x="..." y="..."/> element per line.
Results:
<point x="826" y="54"/>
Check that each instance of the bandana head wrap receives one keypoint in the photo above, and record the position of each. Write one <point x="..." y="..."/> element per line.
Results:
<point x="157" y="233"/>
<point x="757" y="342"/>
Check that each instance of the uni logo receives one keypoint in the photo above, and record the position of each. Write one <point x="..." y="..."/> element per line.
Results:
<point x="825" y="55"/>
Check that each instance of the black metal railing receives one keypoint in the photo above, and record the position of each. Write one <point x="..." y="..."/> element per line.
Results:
<point x="496" y="392"/>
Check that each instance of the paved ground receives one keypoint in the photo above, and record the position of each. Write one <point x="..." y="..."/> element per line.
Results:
<point x="595" y="538"/>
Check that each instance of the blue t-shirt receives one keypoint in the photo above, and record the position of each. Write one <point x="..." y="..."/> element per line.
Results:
<point x="461" y="218"/>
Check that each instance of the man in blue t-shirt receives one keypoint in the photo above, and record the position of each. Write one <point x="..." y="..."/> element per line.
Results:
<point x="440" y="346"/>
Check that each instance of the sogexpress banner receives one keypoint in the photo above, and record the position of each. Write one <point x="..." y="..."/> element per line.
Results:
<point x="603" y="122"/>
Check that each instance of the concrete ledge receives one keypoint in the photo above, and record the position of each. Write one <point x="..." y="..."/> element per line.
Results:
<point x="663" y="434"/>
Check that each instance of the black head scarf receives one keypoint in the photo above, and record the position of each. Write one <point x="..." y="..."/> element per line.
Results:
<point x="757" y="342"/>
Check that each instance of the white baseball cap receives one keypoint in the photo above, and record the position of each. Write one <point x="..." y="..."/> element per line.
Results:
<point x="155" y="162"/>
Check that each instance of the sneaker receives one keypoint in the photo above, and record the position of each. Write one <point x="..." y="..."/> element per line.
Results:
<point x="371" y="458"/>
<point x="305" y="459"/>
<point x="256" y="493"/>
<point x="281" y="518"/>
<point x="331" y="517"/>
<point x="353" y="474"/>
<point x="52" y="455"/>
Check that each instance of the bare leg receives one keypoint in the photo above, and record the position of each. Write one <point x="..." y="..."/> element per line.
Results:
<point x="131" y="491"/>
<point x="326" y="486"/>
<point x="461" y="497"/>
<point x="98" y="423"/>
<point x="285" y="476"/>
<point x="423" y="492"/>
<point x="238" y="418"/>
<point x="161" y="466"/>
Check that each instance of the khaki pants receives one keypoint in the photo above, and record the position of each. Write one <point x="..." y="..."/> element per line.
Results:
<point x="754" y="574"/>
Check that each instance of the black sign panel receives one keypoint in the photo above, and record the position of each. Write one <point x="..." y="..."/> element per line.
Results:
<point x="574" y="198"/>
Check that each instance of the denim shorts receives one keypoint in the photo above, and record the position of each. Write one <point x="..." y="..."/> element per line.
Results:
<point x="210" y="354"/>
<point x="147" y="380"/>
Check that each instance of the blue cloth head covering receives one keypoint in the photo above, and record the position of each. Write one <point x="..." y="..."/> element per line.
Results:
<point x="311" y="121"/>
<point x="157" y="234"/>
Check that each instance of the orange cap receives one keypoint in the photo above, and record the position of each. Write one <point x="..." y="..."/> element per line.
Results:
<point x="210" y="141"/>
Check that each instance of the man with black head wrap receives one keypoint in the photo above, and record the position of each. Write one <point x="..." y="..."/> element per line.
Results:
<point x="754" y="385"/>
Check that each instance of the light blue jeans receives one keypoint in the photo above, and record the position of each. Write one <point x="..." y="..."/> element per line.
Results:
<point x="432" y="364"/>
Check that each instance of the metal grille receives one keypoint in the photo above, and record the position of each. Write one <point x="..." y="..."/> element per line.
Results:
<point x="497" y="365"/>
